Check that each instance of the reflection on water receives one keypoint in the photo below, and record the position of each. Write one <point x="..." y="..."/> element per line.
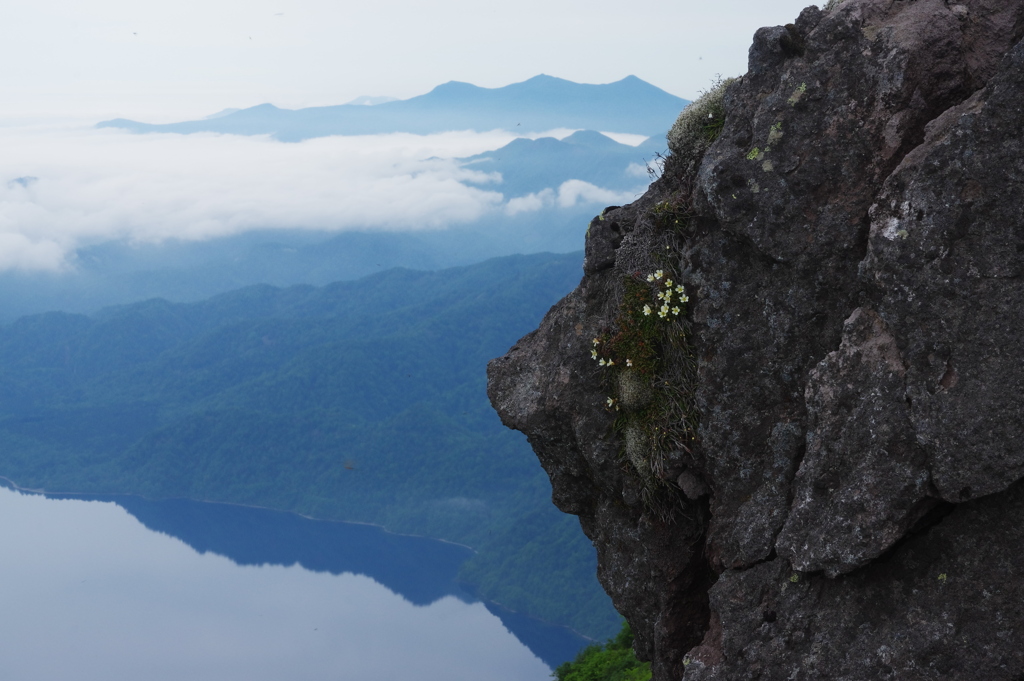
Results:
<point x="420" y="570"/>
<point x="212" y="591"/>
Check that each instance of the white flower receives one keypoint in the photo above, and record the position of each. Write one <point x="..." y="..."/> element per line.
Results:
<point x="680" y="289"/>
<point x="650" y="277"/>
<point x="658" y="274"/>
<point x="663" y="312"/>
<point x="684" y="299"/>
<point x="602" y="362"/>
<point x="661" y="296"/>
<point x="668" y="296"/>
<point x="611" y="363"/>
<point x="629" y="362"/>
<point x="593" y="354"/>
<point x="647" y="310"/>
<point x="597" y="341"/>
<point x="611" y="401"/>
<point x="668" y="283"/>
<point x="675" y="310"/>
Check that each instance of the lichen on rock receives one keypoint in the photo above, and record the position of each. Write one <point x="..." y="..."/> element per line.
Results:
<point x="852" y="243"/>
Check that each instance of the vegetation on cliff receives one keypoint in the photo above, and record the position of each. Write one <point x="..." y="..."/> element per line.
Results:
<point x="612" y="661"/>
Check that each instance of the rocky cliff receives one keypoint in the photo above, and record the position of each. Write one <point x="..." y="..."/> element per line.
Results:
<point x="786" y="400"/>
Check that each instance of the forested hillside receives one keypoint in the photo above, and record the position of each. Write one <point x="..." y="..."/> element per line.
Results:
<point x="359" y="400"/>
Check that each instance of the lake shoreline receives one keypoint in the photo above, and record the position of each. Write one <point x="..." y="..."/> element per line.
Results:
<point x="8" y="482"/>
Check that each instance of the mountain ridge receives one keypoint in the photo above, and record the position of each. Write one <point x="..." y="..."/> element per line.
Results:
<point x="541" y="103"/>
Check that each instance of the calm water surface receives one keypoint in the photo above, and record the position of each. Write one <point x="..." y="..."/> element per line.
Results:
<point x="93" y="589"/>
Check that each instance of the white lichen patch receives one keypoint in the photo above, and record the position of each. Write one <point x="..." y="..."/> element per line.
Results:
<point x="896" y="225"/>
<point x="892" y="229"/>
<point x="634" y="389"/>
<point x="638" y="449"/>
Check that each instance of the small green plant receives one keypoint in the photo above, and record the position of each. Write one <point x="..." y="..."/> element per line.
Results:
<point x="672" y="214"/>
<point x="700" y="123"/>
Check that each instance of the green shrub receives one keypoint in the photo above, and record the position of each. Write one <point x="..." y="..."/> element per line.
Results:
<point x="613" y="661"/>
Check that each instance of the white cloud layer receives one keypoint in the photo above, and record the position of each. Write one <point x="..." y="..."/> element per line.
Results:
<point x="64" y="188"/>
<point x="17" y="251"/>
<point x="569" y="194"/>
<point x="641" y="171"/>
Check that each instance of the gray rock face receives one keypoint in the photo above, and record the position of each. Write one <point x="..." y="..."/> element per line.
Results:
<point x="853" y="245"/>
<point x="946" y="605"/>
<point x="863" y="480"/>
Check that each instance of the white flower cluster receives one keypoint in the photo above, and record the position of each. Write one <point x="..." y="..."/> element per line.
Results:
<point x="605" y="362"/>
<point x="602" y="361"/>
<point x="671" y="296"/>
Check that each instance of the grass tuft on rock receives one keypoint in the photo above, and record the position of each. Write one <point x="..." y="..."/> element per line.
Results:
<point x="700" y="123"/>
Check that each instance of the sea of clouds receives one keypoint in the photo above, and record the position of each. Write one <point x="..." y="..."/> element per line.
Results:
<point x="64" y="186"/>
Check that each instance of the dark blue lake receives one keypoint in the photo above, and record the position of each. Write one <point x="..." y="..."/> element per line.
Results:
<point x="123" y="588"/>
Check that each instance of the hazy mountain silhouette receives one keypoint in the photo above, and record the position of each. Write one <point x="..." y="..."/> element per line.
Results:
<point x="538" y="104"/>
<point x="118" y="272"/>
<point x="529" y="166"/>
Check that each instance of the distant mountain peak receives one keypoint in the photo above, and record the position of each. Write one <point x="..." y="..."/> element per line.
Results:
<point x="541" y="103"/>
<point x="545" y="78"/>
<point x="222" y="113"/>
<point x="454" y="85"/>
<point x="590" y="138"/>
<point x="370" y="101"/>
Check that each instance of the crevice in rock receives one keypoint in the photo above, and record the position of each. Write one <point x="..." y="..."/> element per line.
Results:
<point x="937" y="511"/>
<point x="791" y="490"/>
<point x="862" y="242"/>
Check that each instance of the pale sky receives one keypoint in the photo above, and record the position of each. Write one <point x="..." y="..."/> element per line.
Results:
<point x="163" y="61"/>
